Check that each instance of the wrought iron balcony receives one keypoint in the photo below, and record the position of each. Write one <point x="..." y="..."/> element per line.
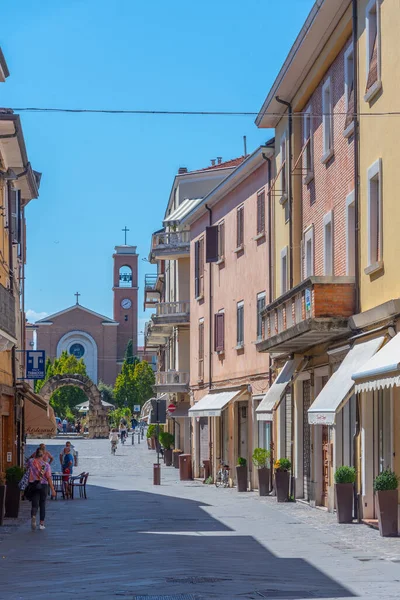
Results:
<point x="172" y="313"/>
<point x="152" y="290"/>
<point x="172" y="381"/>
<point x="7" y="319"/>
<point x="313" y="312"/>
<point x="170" y="245"/>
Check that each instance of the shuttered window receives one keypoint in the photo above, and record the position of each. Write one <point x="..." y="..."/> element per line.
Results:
<point x="349" y="86"/>
<point x="212" y="244"/>
<point x="15" y="216"/>
<point x="260" y="308"/>
<point x="221" y="241"/>
<point x="201" y="350"/>
<point x="373" y="44"/>
<point x="198" y="267"/>
<point x="261" y="212"/>
<point x="240" y="324"/>
<point x="219" y="332"/>
<point x="239" y="226"/>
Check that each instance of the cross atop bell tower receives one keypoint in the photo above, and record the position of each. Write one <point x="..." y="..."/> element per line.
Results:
<point x="125" y="288"/>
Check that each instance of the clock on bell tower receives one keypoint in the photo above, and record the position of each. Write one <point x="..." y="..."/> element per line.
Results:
<point x="125" y="290"/>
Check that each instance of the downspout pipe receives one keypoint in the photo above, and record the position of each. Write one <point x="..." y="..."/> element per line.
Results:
<point x="290" y="187"/>
<point x="209" y="311"/>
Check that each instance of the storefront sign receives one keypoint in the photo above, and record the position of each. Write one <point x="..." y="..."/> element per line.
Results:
<point x="35" y="364"/>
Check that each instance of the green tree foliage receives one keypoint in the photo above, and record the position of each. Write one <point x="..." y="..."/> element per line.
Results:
<point x="134" y="385"/>
<point x="107" y="392"/>
<point x="129" y="358"/>
<point x="144" y="381"/>
<point x="124" y="389"/>
<point x="116" y="415"/>
<point x="66" y="398"/>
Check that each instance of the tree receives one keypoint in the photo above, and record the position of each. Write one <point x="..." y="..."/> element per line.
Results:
<point x="124" y="389"/>
<point x="129" y="358"/>
<point x="107" y="392"/>
<point x="66" y="398"/>
<point x="144" y="381"/>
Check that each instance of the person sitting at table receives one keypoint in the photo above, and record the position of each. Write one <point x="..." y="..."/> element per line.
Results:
<point x="67" y="468"/>
<point x="46" y="456"/>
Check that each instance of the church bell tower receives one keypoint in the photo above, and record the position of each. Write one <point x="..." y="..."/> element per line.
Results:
<point x="125" y="290"/>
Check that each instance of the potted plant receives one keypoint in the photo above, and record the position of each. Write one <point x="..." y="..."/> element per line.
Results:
<point x="13" y="493"/>
<point x="175" y="459"/>
<point x="385" y="488"/>
<point x="344" y="493"/>
<point x="2" y="496"/>
<point x="282" y="467"/>
<point x="241" y="474"/>
<point x="151" y="436"/>
<point x="167" y="441"/>
<point x="261" y="458"/>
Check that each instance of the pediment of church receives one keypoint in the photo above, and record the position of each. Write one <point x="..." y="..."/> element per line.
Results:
<point x="77" y="308"/>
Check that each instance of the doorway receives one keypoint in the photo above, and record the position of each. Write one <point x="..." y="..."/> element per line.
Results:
<point x="242" y="447"/>
<point x="306" y="440"/>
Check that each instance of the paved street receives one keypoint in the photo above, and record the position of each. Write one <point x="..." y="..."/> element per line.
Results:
<point x="186" y="541"/>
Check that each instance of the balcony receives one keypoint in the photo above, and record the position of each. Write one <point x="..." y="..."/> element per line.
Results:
<point x="154" y="337"/>
<point x="152" y="290"/>
<point x="170" y="245"/>
<point x="314" y="312"/>
<point x="7" y="319"/>
<point x="172" y="313"/>
<point x="172" y="381"/>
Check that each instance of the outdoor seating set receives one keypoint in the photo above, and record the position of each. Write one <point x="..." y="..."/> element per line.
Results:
<point x="75" y="481"/>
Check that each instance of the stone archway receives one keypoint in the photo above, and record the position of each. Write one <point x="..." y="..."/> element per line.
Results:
<point x="98" y="420"/>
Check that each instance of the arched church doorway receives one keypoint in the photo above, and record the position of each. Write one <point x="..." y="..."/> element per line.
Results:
<point x="98" y="420"/>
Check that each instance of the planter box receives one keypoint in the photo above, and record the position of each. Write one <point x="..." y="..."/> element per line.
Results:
<point x="13" y="496"/>
<point x="241" y="478"/>
<point x="2" y="502"/>
<point x="263" y="481"/>
<point x="282" y="485"/>
<point x="344" y="494"/>
<point x="175" y="461"/>
<point x="387" y="509"/>
<point x="153" y="443"/>
<point x="168" y="457"/>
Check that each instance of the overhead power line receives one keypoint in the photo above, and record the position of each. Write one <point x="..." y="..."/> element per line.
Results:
<point x="204" y="113"/>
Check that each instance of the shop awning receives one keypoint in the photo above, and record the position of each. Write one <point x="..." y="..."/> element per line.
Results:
<point x="340" y="386"/>
<point x="213" y="403"/>
<point x="39" y="416"/>
<point x="380" y="371"/>
<point x="273" y="397"/>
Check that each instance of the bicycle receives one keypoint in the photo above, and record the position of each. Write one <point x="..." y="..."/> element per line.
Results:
<point x="114" y="447"/>
<point x="222" y="479"/>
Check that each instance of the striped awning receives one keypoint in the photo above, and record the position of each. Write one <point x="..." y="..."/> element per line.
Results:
<point x="183" y="209"/>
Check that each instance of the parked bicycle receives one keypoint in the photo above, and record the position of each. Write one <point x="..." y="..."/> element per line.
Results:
<point x="222" y="479"/>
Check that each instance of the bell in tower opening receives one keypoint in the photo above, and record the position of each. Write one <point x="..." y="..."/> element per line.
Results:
<point x="125" y="276"/>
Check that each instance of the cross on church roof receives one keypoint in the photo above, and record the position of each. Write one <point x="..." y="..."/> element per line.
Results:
<point x="77" y="294"/>
<point x="125" y="230"/>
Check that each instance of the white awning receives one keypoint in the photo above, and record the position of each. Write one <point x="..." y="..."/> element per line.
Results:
<point x="213" y="404"/>
<point x="382" y="370"/>
<point x="183" y="209"/>
<point x="38" y="421"/>
<point x="340" y="386"/>
<point x="273" y="397"/>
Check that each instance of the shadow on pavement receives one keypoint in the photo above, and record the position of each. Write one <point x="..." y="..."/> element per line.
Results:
<point x="129" y="544"/>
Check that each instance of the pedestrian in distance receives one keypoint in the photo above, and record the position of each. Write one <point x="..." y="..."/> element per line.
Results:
<point x="47" y="457"/>
<point x="113" y="437"/>
<point x="67" y="469"/>
<point x="37" y="489"/>
<point x="64" y="425"/>
<point x="122" y="431"/>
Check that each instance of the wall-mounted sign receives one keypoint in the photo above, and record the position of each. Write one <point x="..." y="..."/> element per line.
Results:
<point x="308" y="300"/>
<point x="136" y="408"/>
<point x="35" y="364"/>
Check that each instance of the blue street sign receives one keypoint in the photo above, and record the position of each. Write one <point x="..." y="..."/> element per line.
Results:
<point x="35" y="364"/>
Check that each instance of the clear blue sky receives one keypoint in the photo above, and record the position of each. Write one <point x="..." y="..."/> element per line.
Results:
<point x="102" y="172"/>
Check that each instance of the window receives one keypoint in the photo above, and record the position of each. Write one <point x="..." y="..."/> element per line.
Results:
<point x="125" y="277"/>
<point x="284" y="270"/>
<point x="350" y="235"/>
<point x="5" y="204"/>
<point x="283" y="152"/>
<point x="349" y="90"/>
<point x="374" y="217"/>
<point x="328" y="244"/>
<point x="198" y="268"/>
<point x="221" y="241"/>
<point x="201" y="350"/>
<point x="309" y="252"/>
<point x="15" y="199"/>
<point x="240" y="325"/>
<point x="239" y="227"/>
<point x="373" y="62"/>
<point x="261" y="213"/>
<point x="219" y="331"/>
<point x="260" y="308"/>
<point x="308" y="159"/>
<point x="327" y="121"/>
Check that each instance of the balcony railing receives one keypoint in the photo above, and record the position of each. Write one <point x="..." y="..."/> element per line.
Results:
<point x="152" y="291"/>
<point x="312" y="312"/>
<point x="170" y="244"/>
<point x="150" y="282"/>
<point x="154" y="337"/>
<point x="7" y="312"/>
<point x="172" y="308"/>
<point x="172" y="380"/>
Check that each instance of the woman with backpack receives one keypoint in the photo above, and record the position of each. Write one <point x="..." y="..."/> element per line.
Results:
<point x="37" y="490"/>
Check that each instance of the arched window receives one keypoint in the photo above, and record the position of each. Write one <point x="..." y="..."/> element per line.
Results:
<point x="125" y="276"/>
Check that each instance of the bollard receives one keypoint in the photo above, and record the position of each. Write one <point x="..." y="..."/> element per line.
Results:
<point x="133" y="439"/>
<point x="138" y="438"/>
<point x="142" y="433"/>
<point x="76" y="458"/>
<point x="156" y="474"/>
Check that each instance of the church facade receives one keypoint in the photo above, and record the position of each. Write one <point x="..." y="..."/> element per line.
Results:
<point x="101" y="341"/>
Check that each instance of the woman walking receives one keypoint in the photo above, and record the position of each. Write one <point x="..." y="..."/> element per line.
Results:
<point x="39" y="480"/>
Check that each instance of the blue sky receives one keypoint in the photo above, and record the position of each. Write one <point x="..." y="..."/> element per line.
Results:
<point x="102" y="172"/>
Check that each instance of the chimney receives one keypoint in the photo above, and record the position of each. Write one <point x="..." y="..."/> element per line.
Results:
<point x="213" y="162"/>
<point x="219" y="159"/>
<point x="182" y="170"/>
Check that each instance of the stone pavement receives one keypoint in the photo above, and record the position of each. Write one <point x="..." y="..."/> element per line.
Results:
<point x="188" y="541"/>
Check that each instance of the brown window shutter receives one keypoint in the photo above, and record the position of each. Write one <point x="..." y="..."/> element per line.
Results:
<point x="221" y="240"/>
<point x="212" y="244"/>
<point x="196" y="269"/>
<point x="350" y="109"/>
<point x="261" y="213"/>
<point x="373" y="65"/>
<point x="240" y="223"/>
<point x="14" y="199"/>
<point x="219" y="332"/>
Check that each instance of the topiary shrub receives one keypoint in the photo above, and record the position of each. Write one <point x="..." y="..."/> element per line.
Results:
<point x="261" y="458"/>
<point x="345" y="474"/>
<point x="387" y="480"/>
<point x="166" y="439"/>
<point x="14" y="474"/>
<point x="242" y="462"/>
<point x="282" y="464"/>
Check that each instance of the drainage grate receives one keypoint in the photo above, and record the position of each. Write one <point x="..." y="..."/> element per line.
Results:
<point x="194" y="580"/>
